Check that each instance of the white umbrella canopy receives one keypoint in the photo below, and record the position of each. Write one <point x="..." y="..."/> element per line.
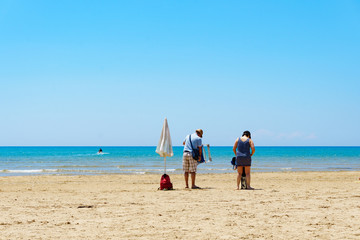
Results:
<point x="164" y="147"/>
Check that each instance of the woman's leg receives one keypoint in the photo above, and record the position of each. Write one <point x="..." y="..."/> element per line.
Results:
<point x="240" y="171"/>
<point x="247" y="172"/>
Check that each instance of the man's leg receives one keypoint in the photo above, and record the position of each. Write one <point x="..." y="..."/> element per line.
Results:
<point x="193" y="176"/>
<point x="186" y="169"/>
<point x="193" y="167"/>
<point x="186" y="175"/>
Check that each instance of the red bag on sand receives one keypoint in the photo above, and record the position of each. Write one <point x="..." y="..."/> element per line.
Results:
<point x="165" y="183"/>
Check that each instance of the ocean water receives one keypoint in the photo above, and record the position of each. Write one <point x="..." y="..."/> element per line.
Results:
<point x="15" y="161"/>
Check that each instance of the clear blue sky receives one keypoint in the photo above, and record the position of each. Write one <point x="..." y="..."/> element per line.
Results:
<point x="108" y="72"/>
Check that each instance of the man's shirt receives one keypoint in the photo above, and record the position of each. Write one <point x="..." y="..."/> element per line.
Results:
<point x="195" y="140"/>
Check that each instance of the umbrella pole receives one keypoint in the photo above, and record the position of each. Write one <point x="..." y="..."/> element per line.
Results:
<point x="165" y="166"/>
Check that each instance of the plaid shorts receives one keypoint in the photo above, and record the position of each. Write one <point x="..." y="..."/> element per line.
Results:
<point x="189" y="164"/>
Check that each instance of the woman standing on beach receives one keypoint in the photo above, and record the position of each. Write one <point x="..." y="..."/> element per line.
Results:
<point x="243" y="156"/>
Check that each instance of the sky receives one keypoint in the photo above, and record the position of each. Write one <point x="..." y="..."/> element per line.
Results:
<point x="107" y="73"/>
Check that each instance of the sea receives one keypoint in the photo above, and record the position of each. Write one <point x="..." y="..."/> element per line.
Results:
<point x="21" y="161"/>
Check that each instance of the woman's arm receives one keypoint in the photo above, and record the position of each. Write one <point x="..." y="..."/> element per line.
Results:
<point x="252" y="147"/>
<point x="235" y="146"/>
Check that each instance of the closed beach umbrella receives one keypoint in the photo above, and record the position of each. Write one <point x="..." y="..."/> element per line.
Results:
<point x="164" y="147"/>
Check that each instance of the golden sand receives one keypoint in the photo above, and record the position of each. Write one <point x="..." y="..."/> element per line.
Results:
<point x="300" y="205"/>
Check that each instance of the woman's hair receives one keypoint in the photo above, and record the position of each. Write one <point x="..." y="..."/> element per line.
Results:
<point x="247" y="133"/>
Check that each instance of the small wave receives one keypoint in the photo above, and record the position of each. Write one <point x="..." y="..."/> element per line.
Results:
<point x="79" y="171"/>
<point x="90" y="154"/>
<point x="286" y="169"/>
<point x="29" y="171"/>
<point x="102" y="153"/>
<point x="217" y="169"/>
<point x="146" y="170"/>
<point x="340" y="168"/>
<point x="79" y="166"/>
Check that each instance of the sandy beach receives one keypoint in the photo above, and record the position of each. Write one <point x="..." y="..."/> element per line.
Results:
<point x="296" y="205"/>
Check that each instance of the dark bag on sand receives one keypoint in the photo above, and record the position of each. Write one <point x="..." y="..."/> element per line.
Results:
<point x="165" y="183"/>
<point x="196" y="153"/>
<point x="233" y="162"/>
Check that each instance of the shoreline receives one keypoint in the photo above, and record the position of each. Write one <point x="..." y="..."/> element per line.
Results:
<point x="169" y="173"/>
<point x="284" y="205"/>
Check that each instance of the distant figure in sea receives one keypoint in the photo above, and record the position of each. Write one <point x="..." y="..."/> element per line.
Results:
<point x="243" y="155"/>
<point x="192" y="142"/>
<point x="100" y="150"/>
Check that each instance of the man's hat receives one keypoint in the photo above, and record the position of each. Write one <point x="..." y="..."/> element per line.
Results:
<point x="199" y="131"/>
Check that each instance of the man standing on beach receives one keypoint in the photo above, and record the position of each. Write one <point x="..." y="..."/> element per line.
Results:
<point x="190" y="164"/>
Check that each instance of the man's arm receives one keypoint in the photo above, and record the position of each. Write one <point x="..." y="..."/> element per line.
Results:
<point x="200" y="152"/>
